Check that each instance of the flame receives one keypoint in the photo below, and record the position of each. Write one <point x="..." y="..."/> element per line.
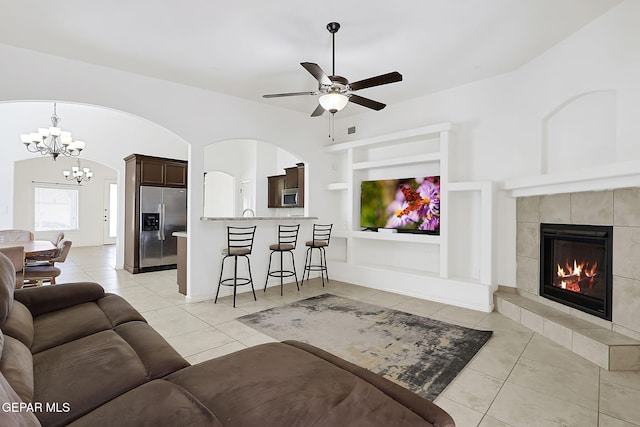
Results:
<point x="571" y="276"/>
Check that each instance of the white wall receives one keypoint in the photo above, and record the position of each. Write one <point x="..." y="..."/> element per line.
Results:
<point x="196" y="116"/>
<point x="90" y="198"/>
<point x="251" y="160"/>
<point x="499" y="121"/>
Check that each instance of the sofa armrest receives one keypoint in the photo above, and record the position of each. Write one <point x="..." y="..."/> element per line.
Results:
<point x="52" y="298"/>
<point x="421" y="406"/>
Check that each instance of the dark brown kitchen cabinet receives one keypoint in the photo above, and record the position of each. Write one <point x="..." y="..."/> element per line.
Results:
<point x="276" y="185"/>
<point x="162" y="172"/>
<point x="293" y="178"/>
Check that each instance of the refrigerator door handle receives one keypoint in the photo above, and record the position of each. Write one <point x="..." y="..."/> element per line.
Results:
<point x="162" y="236"/>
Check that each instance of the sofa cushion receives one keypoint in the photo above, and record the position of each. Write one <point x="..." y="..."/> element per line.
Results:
<point x="277" y="384"/>
<point x="78" y="320"/>
<point x="46" y="299"/>
<point x="19" y="324"/>
<point x="16" y="364"/>
<point x="157" y="403"/>
<point x="20" y="417"/>
<point x="118" y="310"/>
<point x="7" y="286"/>
<point x="85" y="374"/>
<point x="158" y="356"/>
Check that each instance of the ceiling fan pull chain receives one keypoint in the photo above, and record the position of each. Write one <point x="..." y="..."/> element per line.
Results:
<point x="333" y="127"/>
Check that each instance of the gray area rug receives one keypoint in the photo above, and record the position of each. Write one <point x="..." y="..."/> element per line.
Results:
<point x="421" y="354"/>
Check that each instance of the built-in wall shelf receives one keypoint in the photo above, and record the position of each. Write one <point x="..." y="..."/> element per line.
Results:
<point x="337" y="186"/>
<point x="397" y="237"/>
<point x="422" y="265"/>
<point x="398" y="161"/>
<point x="392" y="138"/>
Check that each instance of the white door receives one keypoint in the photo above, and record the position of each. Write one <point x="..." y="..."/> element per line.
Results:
<point x="110" y="210"/>
<point x="246" y="192"/>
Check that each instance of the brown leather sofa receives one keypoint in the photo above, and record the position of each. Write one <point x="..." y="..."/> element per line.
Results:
<point x="74" y="355"/>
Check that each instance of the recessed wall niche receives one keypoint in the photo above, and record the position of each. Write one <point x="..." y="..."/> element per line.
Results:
<point x="580" y="133"/>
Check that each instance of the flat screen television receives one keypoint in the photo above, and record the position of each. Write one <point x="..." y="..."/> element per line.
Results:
<point x="410" y="205"/>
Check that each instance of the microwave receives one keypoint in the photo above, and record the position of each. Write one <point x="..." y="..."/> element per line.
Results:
<point x="290" y="197"/>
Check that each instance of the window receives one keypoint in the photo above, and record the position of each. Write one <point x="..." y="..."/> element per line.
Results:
<point x="55" y="208"/>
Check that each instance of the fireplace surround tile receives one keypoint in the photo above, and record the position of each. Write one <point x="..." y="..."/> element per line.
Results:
<point x="532" y="320"/>
<point x="558" y="208"/>
<point x="528" y="209"/>
<point x="594" y="208"/>
<point x="591" y="349"/>
<point x="626" y="252"/>
<point x="624" y="358"/>
<point x="625" y="207"/>
<point x="528" y="273"/>
<point x="625" y="302"/>
<point x="600" y="345"/>
<point x="555" y="208"/>
<point x="557" y="332"/>
<point x="528" y="240"/>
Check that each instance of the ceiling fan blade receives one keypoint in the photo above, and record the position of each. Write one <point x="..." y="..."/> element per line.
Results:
<point x="318" y="111"/>
<point x="317" y="72"/>
<point x="280" y="95"/>
<point x="366" y="102"/>
<point x="382" y="79"/>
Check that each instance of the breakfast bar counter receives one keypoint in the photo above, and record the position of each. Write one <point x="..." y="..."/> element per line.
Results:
<point x="266" y="234"/>
<point x="258" y="218"/>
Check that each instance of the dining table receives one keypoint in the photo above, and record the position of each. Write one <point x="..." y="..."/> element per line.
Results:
<point x="32" y="248"/>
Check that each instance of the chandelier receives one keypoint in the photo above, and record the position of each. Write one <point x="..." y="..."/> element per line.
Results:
<point x="78" y="174"/>
<point x="52" y="140"/>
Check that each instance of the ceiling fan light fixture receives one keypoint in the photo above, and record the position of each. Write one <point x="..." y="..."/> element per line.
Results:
<point x="333" y="102"/>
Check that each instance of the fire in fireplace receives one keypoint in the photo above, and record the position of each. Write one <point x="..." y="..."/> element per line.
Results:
<point x="575" y="266"/>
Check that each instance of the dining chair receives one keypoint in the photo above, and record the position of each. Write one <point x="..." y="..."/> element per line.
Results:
<point x="58" y="238"/>
<point x="239" y="244"/>
<point x="46" y="271"/>
<point x="15" y="235"/>
<point x="16" y="256"/>
<point x="320" y="241"/>
<point x="287" y="239"/>
<point x="48" y="256"/>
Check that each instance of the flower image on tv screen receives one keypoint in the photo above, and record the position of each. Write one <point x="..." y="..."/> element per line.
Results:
<point x="409" y="204"/>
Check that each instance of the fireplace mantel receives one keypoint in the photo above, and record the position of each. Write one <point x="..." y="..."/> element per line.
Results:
<point x="606" y="177"/>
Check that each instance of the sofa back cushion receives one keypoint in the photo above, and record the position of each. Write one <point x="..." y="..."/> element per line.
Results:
<point x="17" y="415"/>
<point x="16" y="365"/>
<point x="7" y="286"/>
<point x="19" y="324"/>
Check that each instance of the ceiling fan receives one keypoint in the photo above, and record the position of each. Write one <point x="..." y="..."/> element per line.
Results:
<point x="336" y="91"/>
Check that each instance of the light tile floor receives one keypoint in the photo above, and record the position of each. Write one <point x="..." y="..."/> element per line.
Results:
<point x="519" y="378"/>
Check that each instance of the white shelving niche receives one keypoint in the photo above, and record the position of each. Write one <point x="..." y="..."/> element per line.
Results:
<point x="455" y="267"/>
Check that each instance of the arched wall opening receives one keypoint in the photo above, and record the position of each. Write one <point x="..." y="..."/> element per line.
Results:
<point x="250" y="162"/>
<point x="110" y="136"/>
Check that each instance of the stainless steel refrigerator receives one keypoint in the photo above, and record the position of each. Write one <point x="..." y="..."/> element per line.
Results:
<point x="163" y="211"/>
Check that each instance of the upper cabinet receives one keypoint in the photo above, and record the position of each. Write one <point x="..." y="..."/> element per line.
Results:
<point x="158" y="171"/>
<point x="292" y="179"/>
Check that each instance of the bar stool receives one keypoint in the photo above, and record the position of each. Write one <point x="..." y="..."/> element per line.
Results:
<point x="239" y="244"/>
<point x="321" y="237"/>
<point x="287" y="239"/>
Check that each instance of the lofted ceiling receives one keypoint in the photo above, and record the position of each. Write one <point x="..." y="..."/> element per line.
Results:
<point x="248" y="48"/>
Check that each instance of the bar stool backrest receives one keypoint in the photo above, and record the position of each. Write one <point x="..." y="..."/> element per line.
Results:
<point x="322" y="233"/>
<point x="288" y="234"/>
<point x="239" y="238"/>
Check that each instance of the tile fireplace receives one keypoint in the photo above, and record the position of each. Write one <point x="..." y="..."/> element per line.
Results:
<point x="576" y="266"/>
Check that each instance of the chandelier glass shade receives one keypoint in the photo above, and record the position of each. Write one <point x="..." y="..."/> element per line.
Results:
<point x="77" y="174"/>
<point x="333" y="101"/>
<point x="52" y="140"/>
